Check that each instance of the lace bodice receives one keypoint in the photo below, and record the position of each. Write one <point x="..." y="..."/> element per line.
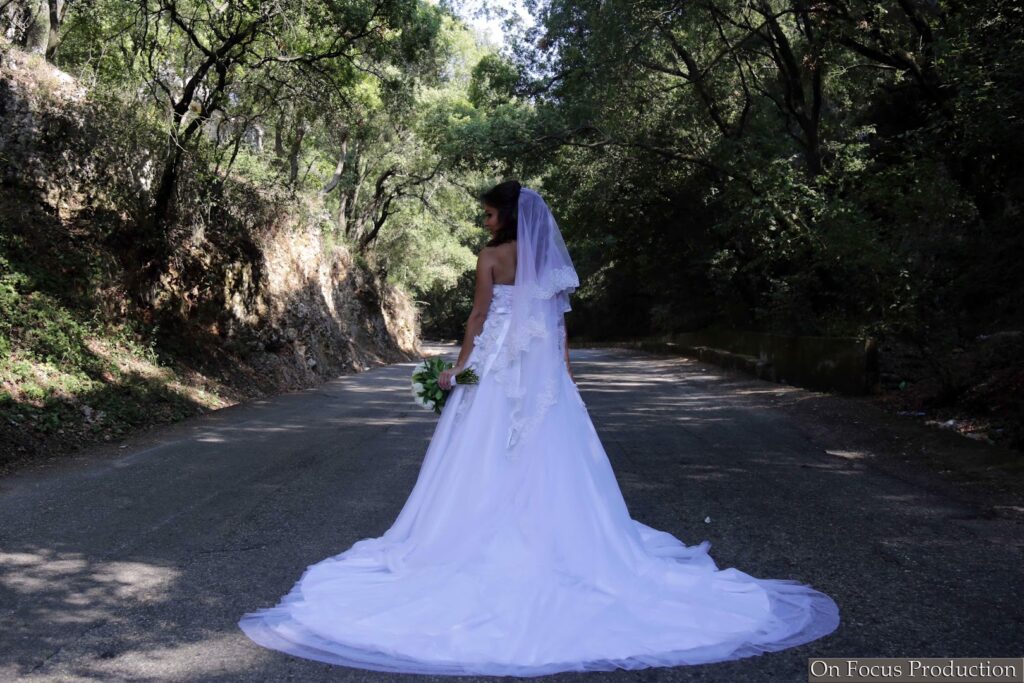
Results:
<point x="484" y="344"/>
<point x="488" y="342"/>
<point x="501" y="298"/>
<point x="497" y="312"/>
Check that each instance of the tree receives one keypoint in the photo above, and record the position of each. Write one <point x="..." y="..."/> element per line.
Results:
<point x="202" y="60"/>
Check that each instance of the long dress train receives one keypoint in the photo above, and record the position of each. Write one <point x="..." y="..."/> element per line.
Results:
<point x="528" y="566"/>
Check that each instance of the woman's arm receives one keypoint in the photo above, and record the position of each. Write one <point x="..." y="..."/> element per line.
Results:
<point x="475" y="323"/>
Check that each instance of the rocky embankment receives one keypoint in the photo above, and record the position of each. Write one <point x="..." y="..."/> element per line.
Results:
<point x="254" y="296"/>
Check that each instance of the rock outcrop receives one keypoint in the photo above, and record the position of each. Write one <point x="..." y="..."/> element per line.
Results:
<point x="254" y="292"/>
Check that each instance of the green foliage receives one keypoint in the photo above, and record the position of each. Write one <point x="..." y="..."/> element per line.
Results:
<point x="831" y="168"/>
<point x="58" y="365"/>
<point x="828" y="169"/>
<point x="494" y="81"/>
<point x="445" y="310"/>
<point x="349" y="129"/>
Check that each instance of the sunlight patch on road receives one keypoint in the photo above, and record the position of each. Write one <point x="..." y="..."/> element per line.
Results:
<point x="851" y="455"/>
<point x="70" y="587"/>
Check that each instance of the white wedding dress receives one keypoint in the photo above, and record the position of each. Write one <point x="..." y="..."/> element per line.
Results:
<point x="528" y="566"/>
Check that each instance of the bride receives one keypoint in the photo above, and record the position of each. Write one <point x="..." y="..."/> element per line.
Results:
<point x="515" y="553"/>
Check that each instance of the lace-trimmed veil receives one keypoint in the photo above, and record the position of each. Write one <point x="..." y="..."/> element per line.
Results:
<point x="531" y="361"/>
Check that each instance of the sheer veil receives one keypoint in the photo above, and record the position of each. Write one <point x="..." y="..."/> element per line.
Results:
<point x="531" y="363"/>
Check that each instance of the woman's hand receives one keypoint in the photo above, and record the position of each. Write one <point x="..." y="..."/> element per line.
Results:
<point x="444" y="380"/>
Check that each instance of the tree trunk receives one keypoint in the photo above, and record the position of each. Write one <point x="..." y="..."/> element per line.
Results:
<point x="278" y="138"/>
<point x="339" y="170"/>
<point x="164" y="191"/>
<point x="294" y="151"/>
<point x="56" y="11"/>
<point x="355" y="226"/>
<point x="30" y="25"/>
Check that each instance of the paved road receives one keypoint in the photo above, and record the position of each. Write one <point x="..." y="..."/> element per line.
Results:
<point x="135" y="563"/>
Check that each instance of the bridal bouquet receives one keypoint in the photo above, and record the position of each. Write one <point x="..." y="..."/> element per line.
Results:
<point x="425" y="389"/>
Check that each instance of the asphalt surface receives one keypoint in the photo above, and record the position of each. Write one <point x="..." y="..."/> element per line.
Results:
<point x="135" y="561"/>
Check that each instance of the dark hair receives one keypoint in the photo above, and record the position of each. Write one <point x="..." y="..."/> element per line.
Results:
<point x="505" y="198"/>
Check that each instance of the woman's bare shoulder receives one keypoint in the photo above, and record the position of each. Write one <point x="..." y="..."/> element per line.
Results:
<point x="498" y="250"/>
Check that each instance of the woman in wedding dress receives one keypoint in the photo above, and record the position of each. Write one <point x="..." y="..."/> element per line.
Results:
<point x="515" y="553"/>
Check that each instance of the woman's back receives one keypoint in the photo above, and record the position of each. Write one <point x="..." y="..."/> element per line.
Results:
<point x="504" y="268"/>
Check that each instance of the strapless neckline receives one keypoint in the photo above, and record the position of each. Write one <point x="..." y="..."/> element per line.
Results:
<point x="496" y="284"/>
